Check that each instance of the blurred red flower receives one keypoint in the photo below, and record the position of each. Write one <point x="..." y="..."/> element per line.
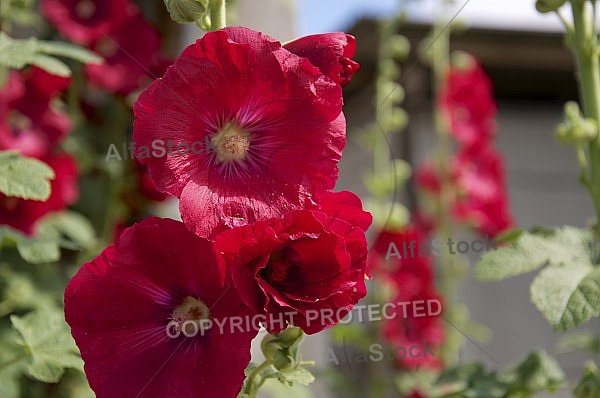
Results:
<point x="330" y="52"/>
<point x="269" y="126"/>
<point x="128" y="61"/>
<point x="483" y="196"/>
<point x="411" y="272"/>
<point x="467" y="102"/>
<point x="29" y="123"/>
<point x="478" y="175"/>
<point x="307" y="263"/>
<point x="86" y="21"/>
<point x="23" y="214"/>
<point x="127" y="306"/>
<point x="415" y="328"/>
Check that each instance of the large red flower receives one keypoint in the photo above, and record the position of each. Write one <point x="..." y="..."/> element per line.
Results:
<point x="24" y="214"/>
<point x="307" y="264"/>
<point x="330" y="52"/>
<point x="129" y="61"/>
<point x="126" y="306"/>
<point x="266" y="124"/>
<point x="468" y="103"/>
<point x="85" y="21"/>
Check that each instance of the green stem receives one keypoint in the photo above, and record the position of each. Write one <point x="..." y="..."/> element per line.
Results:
<point x="218" y="15"/>
<point x="449" y="269"/>
<point x="585" y="46"/>
<point x="253" y="385"/>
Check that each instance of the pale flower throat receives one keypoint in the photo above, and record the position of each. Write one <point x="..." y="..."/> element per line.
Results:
<point x="231" y="143"/>
<point x="191" y="311"/>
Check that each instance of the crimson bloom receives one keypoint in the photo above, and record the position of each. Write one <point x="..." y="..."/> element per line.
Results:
<point x="330" y="52"/>
<point x="127" y="59"/>
<point x="420" y="328"/>
<point x="481" y="179"/>
<point x="396" y="257"/>
<point x="28" y="121"/>
<point x="272" y="121"/>
<point x="85" y="21"/>
<point x="308" y="264"/>
<point x="468" y="103"/>
<point x="136" y="310"/>
<point x="23" y="214"/>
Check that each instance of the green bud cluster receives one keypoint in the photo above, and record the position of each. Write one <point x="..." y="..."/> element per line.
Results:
<point x="184" y="11"/>
<point x="282" y="350"/>
<point x="575" y="128"/>
<point x="545" y="6"/>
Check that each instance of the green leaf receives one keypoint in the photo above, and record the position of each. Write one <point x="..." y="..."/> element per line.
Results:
<point x="68" y="50"/>
<point x="533" y="250"/>
<point x="296" y="376"/>
<point x="589" y="386"/>
<point x="49" y="346"/>
<point x="579" y="341"/>
<point x="42" y="248"/>
<point x="12" y="365"/>
<point x="50" y="64"/>
<point x="538" y="372"/>
<point x="24" y="177"/>
<point x="276" y="390"/>
<point x="567" y="295"/>
<point x="74" y="226"/>
<point x="18" y="53"/>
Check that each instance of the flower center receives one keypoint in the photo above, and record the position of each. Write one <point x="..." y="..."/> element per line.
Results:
<point x="107" y="48"/>
<point x="85" y="9"/>
<point x="276" y="269"/>
<point x="231" y="143"/>
<point x="188" y="316"/>
<point x="18" y="122"/>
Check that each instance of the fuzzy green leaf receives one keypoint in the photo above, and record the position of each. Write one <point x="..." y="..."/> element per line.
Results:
<point x="49" y="346"/>
<point x="538" y="372"/>
<point x="24" y="177"/>
<point x="533" y="250"/>
<point x="567" y="295"/>
<point x="18" y="53"/>
<point x="68" y="50"/>
<point x="297" y="376"/>
<point x="589" y="385"/>
<point x="74" y="226"/>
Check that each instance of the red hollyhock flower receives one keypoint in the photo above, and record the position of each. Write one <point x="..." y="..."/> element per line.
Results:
<point x="23" y="214"/>
<point x="126" y="58"/>
<point x="418" y="328"/>
<point x="411" y="272"/>
<point x="308" y="264"/>
<point x="28" y="122"/>
<point x="124" y="307"/>
<point x="85" y="21"/>
<point x="147" y="186"/>
<point x="468" y="103"/>
<point x="481" y="177"/>
<point x="272" y="121"/>
<point x="330" y="52"/>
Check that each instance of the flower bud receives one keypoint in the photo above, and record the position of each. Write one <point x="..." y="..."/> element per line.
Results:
<point x="398" y="46"/>
<point x="545" y="6"/>
<point x="183" y="11"/>
<point x="282" y="349"/>
<point x="575" y="128"/>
